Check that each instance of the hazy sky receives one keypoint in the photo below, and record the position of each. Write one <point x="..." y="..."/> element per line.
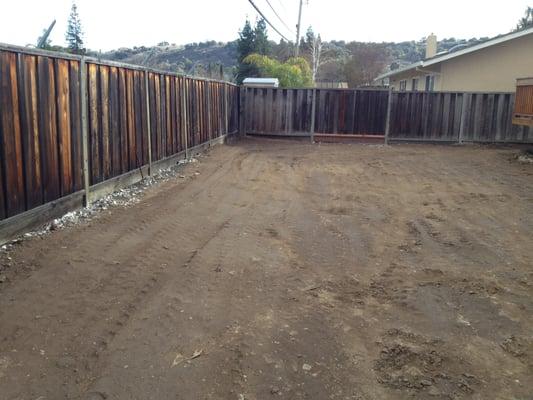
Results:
<point x="111" y="24"/>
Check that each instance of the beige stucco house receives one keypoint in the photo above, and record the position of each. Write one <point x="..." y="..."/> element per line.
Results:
<point x="491" y="66"/>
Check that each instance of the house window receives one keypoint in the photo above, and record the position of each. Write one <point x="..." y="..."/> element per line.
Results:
<point x="403" y="85"/>
<point x="414" y="84"/>
<point x="430" y="83"/>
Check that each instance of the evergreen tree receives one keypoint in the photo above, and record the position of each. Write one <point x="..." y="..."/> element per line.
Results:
<point x="74" y="35"/>
<point x="261" y="44"/>
<point x="245" y="47"/>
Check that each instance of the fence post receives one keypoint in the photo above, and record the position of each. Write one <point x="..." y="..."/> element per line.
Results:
<point x="313" y="114"/>
<point x="209" y="122"/>
<point x="463" y="117"/>
<point x="387" y="121"/>
<point x="84" y="131"/>
<point x="184" y="113"/>
<point x="226" y="108"/>
<point x="148" y="122"/>
<point x="242" y="111"/>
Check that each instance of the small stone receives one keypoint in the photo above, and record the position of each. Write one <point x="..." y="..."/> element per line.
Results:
<point x="3" y="278"/>
<point x="306" y="367"/>
<point x="433" y="391"/>
<point x="426" y="382"/>
<point x="66" y="362"/>
<point x="274" y="390"/>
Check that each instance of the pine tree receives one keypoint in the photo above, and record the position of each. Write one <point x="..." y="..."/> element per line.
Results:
<point x="245" y="47"/>
<point x="261" y="44"/>
<point x="74" y="35"/>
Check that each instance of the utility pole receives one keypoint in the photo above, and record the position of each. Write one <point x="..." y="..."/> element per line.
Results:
<point x="297" y="49"/>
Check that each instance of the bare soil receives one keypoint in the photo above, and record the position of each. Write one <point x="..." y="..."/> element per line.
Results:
<point x="284" y="270"/>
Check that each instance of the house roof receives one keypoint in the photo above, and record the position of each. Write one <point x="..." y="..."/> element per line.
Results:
<point x="447" y="55"/>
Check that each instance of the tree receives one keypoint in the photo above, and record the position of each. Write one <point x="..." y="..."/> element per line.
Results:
<point x="295" y="72"/>
<point x="74" y="35"/>
<point x="366" y="61"/>
<point x="245" y="47"/>
<point x="261" y="44"/>
<point x="251" y="41"/>
<point x="526" y="21"/>
<point x="312" y="47"/>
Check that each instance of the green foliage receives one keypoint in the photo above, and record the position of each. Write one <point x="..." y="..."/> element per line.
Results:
<point x="294" y="73"/>
<point x="74" y="35"/>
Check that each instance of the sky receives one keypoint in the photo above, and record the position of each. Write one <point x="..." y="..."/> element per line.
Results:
<point x="111" y="24"/>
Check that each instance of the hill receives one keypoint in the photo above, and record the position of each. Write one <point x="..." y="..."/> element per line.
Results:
<point x="207" y="58"/>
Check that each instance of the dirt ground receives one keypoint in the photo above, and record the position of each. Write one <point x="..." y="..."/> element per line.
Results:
<point x="281" y="270"/>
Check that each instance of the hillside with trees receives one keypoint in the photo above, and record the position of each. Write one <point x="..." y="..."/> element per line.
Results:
<point x="354" y="62"/>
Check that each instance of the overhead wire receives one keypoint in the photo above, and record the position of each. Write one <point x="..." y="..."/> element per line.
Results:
<point x="267" y="21"/>
<point x="277" y="15"/>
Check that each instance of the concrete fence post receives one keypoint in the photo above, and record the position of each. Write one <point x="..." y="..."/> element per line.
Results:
<point x="84" y="130"/>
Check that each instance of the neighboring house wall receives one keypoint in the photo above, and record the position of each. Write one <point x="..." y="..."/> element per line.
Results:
<point x="408" y="76"/>
<point x="492" y="69"/>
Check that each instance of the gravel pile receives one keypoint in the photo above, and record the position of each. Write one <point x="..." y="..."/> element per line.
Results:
<point x="120" y="198"/>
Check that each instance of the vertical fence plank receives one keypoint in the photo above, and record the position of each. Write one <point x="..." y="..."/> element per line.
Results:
<point x="48" y="129"/>
<point x="11" y="137"/>
<point x="115" y="121"/>
<point x="63" y="125"/>
<point x="104" y="113"/>
<point x="94" y="125"/>
<point x="30" y="132"/>
<point x="75" y="125"/>
<point x="84" y="129"/>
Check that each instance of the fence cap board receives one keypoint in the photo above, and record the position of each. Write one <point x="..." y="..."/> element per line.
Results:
<point x="98" y="61"/>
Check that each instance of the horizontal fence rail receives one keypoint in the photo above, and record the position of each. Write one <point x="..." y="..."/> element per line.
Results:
<point x="134" y="117"/>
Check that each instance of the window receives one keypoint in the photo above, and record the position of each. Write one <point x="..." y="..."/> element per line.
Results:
<point x="414" y="84"/>
<point x="403" y="85"/>
<point x="430" y="83"/>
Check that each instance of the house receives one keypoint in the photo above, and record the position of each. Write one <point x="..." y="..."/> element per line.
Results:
<point x="491" y="66"/>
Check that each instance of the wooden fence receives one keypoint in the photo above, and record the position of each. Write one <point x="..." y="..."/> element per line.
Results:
<point x="61" y="115"/>
<point x="289" y="112"/>
<point x="455" y="117"/>
<point x="404" y="116"/>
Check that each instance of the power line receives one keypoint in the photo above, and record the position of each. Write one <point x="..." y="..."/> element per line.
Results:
<point x="267" y="21"/>
<point x="277" y="15"/>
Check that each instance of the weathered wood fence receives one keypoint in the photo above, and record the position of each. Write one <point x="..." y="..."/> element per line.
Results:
<point x="68" y="124"/>
<point x="455" y="117"/>
<point x="289" y="112"/>
<point x="393" y="116"/>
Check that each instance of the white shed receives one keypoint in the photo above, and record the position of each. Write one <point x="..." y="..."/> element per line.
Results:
<point x="261" y="82"/>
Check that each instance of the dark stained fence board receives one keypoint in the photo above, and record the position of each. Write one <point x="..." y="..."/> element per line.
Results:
<point x="48" y="129"/>
<point x="29" y="118"/>
<point x="75" y="126"/>
<point x="41" y="128"/>
<point x="11" y="137"/>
